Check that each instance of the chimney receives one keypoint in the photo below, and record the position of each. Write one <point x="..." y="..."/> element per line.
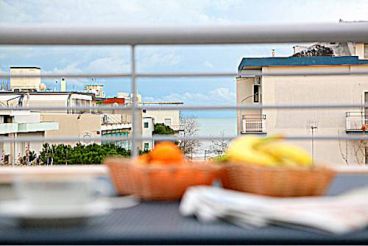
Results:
<point x="63" y="85"/>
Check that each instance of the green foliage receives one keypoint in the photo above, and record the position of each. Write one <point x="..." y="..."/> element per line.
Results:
<point x="162" y="129"/>
<point x="62" y="154"/>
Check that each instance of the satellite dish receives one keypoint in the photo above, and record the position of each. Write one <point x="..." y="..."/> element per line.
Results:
<point x="42" y="87"/>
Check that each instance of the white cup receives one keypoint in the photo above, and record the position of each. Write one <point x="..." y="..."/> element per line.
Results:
<point x="57" y="191"/>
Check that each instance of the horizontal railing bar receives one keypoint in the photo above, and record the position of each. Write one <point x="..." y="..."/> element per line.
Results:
<point x="180" y="75"/>
<point x="165" y="137"/>
<point x="62" y="108"/>
<point x="188" y="107"/>
<point x="67" y="75"/>
<point x="256" y="106"/>
<point x="148" y="35"/>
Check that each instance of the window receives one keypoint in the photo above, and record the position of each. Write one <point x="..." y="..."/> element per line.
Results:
<point x="168" y="121"/>
<point x="146" y="124"/>
<point x="256" y="92"/>
<point x="146" y="146"/>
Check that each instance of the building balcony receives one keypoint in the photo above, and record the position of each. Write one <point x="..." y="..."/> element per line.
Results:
<point x="114" y="122"/>
<point x="253" y="124"/>
<point x="356" y="121"/>
<point x="6" y="128"/>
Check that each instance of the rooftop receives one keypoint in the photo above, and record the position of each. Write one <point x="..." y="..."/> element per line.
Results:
<point x="300" y="61"/>
<point x="45" y="93"/>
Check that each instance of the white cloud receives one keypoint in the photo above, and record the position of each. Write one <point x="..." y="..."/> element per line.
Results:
<point x="218" y="96"/>
<point x="154" y="57"/>
<point x="158" y="12"/>
<point x="108" y="64"/>
<point x="111" y="11"/>
<point x="208" y="64"/>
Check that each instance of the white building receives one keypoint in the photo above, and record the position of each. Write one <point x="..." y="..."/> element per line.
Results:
<point x="97" y="90"/>
<point x="14" y="124"/>
<point x="148" y="127"/>
<point x="25" y="83"/>
<point x="84" y="124"/>
<point x="170" y="118"/>
<point x="253" y="88"/>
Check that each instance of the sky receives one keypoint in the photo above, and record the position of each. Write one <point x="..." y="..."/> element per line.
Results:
<point x="216" y="58"/>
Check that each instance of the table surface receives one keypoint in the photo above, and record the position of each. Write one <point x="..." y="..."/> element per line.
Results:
<point x="161" y="223"/>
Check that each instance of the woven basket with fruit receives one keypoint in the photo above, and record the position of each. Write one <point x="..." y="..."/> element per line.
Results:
<point x="269" y="166"/>
<point x="161" y="174"/>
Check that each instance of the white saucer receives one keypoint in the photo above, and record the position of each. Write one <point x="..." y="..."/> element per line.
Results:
<point x="22" y="210"/>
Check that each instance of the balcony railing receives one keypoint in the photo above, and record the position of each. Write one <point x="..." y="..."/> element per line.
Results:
<point x="141" y="36"/>
<point x="252" y="124"/>
<point x="356" y="121"/>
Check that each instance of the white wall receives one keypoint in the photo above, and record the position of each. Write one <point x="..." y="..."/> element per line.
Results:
<point x="347" y="89"/>
<point x="163" y="116"/>
<point x="23" y="82"/>
<point x="147" y="129"/>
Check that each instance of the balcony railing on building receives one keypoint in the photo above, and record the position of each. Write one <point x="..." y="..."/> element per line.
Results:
<point x="356" y="121"/>
<point x="252" y="124"/>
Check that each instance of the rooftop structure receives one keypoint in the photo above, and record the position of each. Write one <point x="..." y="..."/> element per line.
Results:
<point x="18" y="83"/>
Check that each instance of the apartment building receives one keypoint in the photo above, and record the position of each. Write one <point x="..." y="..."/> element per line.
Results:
<point x="98" y="90"/>
<point x="26" y="124"/>
<point x="254" y="88"/>
<point x="170" y="118"/>
<point x="85" y="124"/>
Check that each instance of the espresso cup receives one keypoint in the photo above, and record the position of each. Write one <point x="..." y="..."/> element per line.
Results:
<point x="57" y="191"/>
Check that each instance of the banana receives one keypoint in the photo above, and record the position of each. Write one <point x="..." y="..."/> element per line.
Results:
<point x="244" y="150"/>
<point x="289" y="155"/>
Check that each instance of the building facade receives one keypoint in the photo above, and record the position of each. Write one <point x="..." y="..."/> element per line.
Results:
<point x="170" y="118"/>
<point x="85" y="124"/>
<point x="253" y="88"/>
<point x="97" y="90"/>
<point x="18" y="83"/>
<point x="26" y="124"/>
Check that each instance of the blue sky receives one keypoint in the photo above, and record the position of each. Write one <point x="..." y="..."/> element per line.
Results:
<point x="162" y="59"/>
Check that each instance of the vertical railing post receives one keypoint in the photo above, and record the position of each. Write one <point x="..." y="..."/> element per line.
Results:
<point x="134" y="150"/>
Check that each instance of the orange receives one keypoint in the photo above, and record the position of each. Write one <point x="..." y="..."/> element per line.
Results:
<point x="143" y="159"/>
<point x="166" y="153"/>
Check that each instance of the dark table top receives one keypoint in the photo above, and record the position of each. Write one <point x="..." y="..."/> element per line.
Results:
<point x="161" y="223"/>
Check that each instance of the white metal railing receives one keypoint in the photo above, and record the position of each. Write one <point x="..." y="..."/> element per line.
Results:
<point x="253" y="124"/>
<point x="112" y="119"/>
<point x="134" y="36"/>
<point x="356" y="121"/>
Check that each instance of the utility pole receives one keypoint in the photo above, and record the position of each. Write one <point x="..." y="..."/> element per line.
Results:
<point x="313" y="128"/>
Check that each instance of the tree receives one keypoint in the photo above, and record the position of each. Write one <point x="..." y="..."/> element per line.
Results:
<point x="219" y="146"/>
<point x="355" y="149"/>
<point x="162" y="129"/>
<point x="189" y="129"/>
<point x="79" y="154"/>
<point x="315" y="50"/>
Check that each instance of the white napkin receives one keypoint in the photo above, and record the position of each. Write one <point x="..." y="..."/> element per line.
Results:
<point x="339" y="214"/>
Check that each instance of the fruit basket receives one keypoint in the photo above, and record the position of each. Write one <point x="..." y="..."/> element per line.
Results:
<point x="270" y="166"/>
<point x="156" y="182"/>
<point x="277" y="181"/>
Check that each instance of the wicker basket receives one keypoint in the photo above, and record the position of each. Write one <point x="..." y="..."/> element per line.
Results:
<point x="159" y="182"/>
<point x="277" y="181"/>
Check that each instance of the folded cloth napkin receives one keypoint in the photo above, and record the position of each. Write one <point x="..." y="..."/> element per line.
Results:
<point x="337" y="214"/>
